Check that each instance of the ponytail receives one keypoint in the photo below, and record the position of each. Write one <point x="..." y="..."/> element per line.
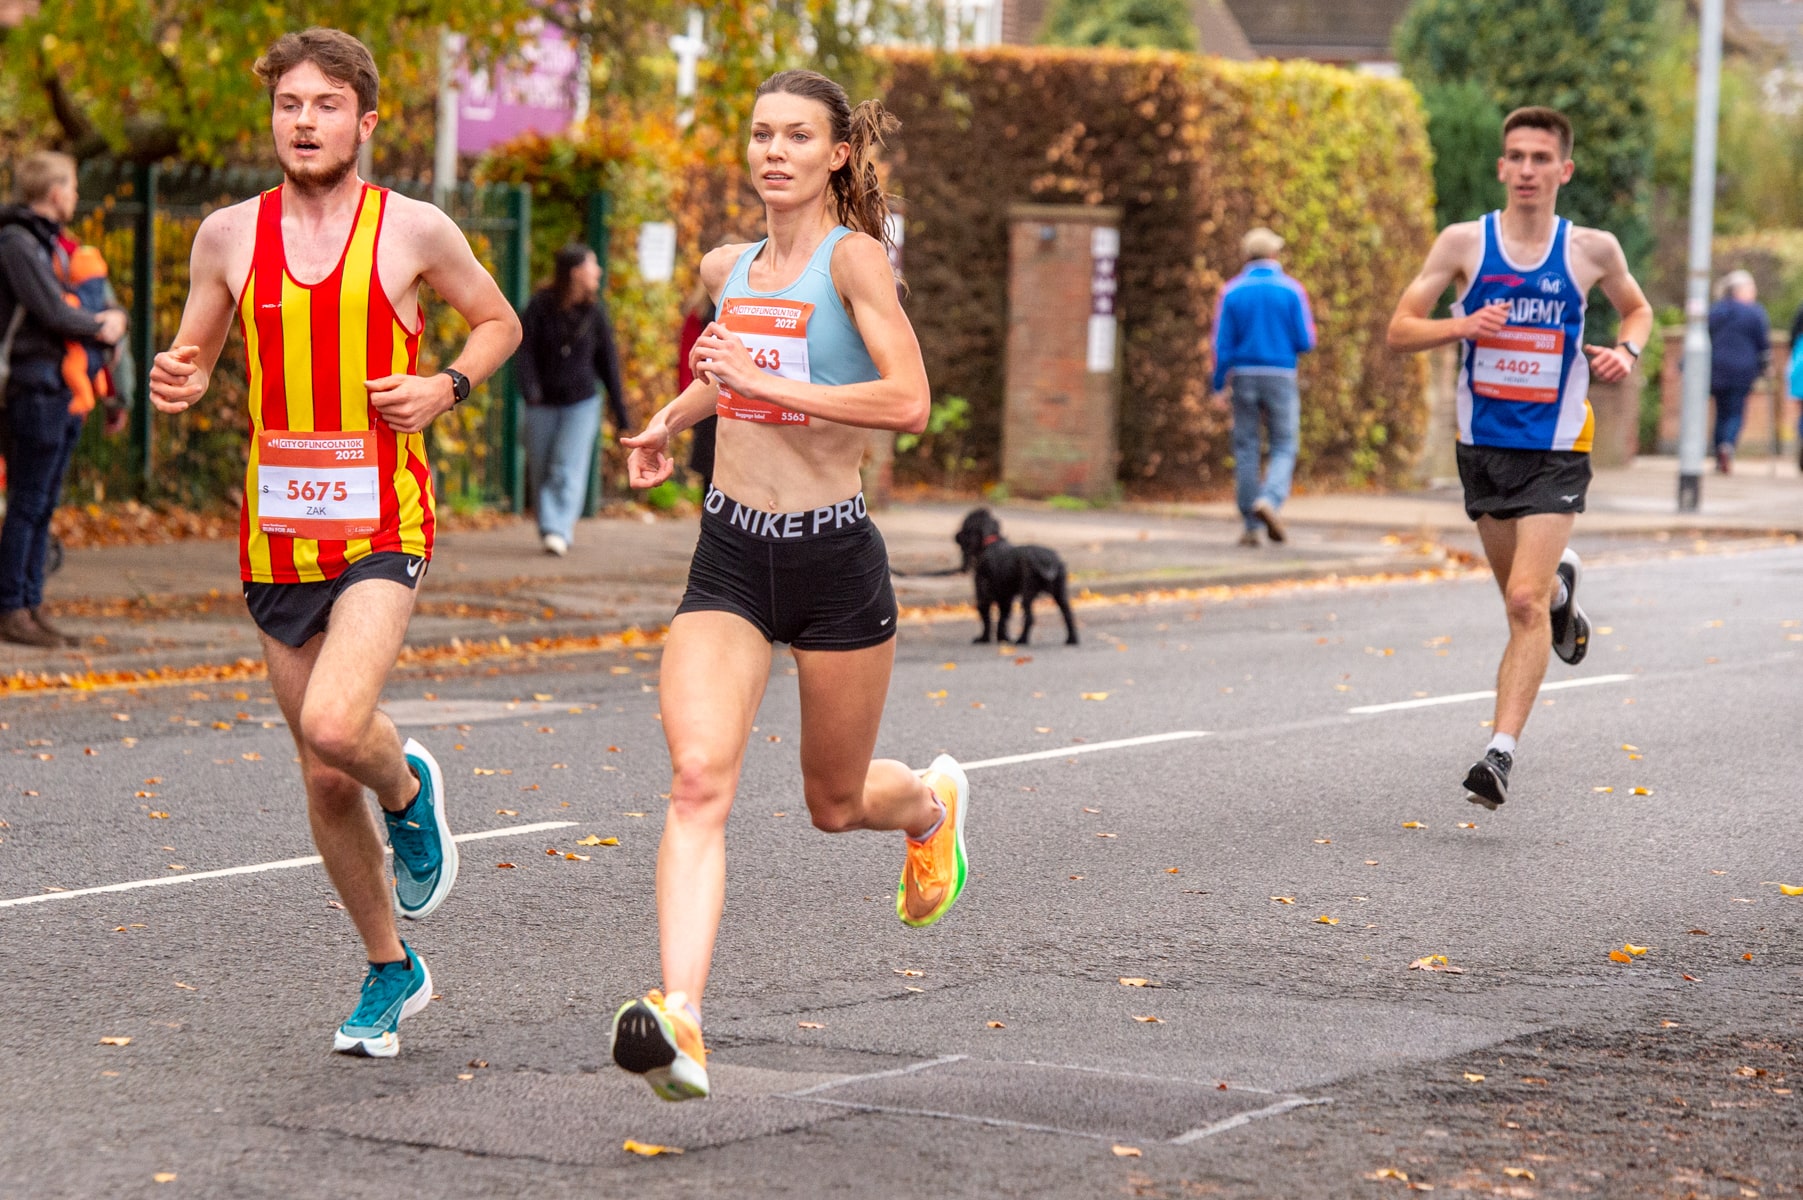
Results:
<point x="863" y="205"/>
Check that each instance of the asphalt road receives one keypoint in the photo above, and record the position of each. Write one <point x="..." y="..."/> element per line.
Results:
<point x="996" y="1053"/>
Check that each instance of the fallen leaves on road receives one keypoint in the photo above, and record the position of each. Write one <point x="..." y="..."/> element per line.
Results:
<point x="1284" y="899"/>
<point x="1435" y="962"/>
<point x="1602" y="789"/>
<point x="186" y="987"/>
<point x="1147" y="1019"/>
<point x="1471" y="1078"/>
<point x="507" y="812"/>
<point x="1618" y="956"/>
<point x="1413" y="825"/>
<point x="1383" y="1173"/>
<point x="480" y="771"/>
<point x="997" y="1025"/>
<point x="1519" y="1173"/>
<point x="115" y="1041"/>
<point x="1749" y="1072"/>
<point x="1095" y="695"/>
<point x="163" y="1177"/>
<point x="1134" y="981"/>
<point x="1121" y="1151"/>
<point x="157" y="816"/>
<point x="1467" y="824"/>
<point x="809" y="1025"/>
<point x="504" y="866"/>
<point x="1640" y="791"/>
<point x="1107" y="835"/>
<point x="1788" y="890"/>
<point x="593" y="840"/>
<point x="648" y="1149"/>
<point x="1324" y="919"/>
<point x="1636" y="951"/>
<point x="1747" y="957"/>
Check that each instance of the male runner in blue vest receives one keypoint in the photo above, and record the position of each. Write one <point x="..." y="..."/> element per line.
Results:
<point x="1525" y="424"/>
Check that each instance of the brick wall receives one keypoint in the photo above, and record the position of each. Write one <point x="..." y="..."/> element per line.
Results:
<point x="1059" y="417"/>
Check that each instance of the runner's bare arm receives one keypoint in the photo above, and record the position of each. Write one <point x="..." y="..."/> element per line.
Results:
<point x="1611" y="363"/>
<point x="650" y="464"/>
<point x="900" y="399"/>
<point x="409" y="403"/>
<point x="1412" y="329"/>
<point x="179" y="375"/>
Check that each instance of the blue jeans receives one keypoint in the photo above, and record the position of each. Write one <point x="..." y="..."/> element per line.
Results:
<point x="40" y="438"/>
<point x="1730" y="414"/>
<point x="1271" y="399"/>
<point x="560" y="443"/>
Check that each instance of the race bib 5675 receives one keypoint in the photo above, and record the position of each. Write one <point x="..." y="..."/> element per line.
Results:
<point x="322" y="486"/>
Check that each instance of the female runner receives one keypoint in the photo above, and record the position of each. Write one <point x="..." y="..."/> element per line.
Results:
<point x="810" y="349"/>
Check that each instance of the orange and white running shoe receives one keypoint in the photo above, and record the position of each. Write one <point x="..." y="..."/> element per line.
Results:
<point x="658" y="1037"/>
<point x="933" y="877"/>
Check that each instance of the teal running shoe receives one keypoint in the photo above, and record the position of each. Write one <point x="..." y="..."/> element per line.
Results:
<point x="392" y="992"/>
<point x="425" y="857"/>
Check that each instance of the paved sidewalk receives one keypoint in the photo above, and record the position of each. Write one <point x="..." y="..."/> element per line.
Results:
<point x="179" y="604"/>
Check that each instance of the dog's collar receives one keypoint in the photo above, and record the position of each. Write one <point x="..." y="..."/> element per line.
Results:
<point x="991" y="540"/>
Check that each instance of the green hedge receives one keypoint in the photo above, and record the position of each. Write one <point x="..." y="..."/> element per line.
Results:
<point x="1196" y="151"/>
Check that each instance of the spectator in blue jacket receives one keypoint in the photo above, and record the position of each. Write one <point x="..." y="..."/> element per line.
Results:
<point x="1262" y="324"/>
<point x="1740" y="340"/>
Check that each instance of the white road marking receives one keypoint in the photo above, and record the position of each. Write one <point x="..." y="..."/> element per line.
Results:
<point x="1085" y="748"/>
<point x="256" y="868"/>
<point x="889" y="1074"/>
<point x="1246" y="1118"/>
<point x="1467" y="697"/>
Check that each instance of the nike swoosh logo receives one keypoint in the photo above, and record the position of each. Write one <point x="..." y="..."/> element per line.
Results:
<point x="413" y="568"/>
<point x="885" y="620"/>
<point x="1568" y="499"/>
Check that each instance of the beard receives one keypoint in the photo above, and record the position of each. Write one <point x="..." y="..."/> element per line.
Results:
<point x="319" y="175"/>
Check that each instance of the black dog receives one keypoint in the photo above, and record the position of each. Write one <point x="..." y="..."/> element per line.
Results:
<point x="1004" y="572"/>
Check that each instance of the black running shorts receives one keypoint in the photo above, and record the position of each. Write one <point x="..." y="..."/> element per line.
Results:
<point x="816" y="579"/>
<point x="294" y="613"/>
<point x="1506" y="484"/>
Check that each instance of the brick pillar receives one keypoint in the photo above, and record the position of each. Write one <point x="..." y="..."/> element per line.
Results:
<point x="1063" y="360"/>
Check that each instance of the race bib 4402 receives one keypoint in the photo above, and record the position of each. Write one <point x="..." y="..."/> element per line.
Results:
<point x="1519" y="363"/>
<point x="776" y="334"/>
<point x="321" y="486"/>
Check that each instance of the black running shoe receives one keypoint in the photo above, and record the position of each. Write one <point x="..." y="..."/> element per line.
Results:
<point x="1571" y="628"/>
<point x="1488" y="780"/>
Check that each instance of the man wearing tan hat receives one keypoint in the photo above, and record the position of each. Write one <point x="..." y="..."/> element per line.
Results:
<point x="1262" y="324"/>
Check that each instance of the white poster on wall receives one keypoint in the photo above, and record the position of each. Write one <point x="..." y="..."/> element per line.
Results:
<point x="657" y="251"/>
<point x="1104" y="253"/>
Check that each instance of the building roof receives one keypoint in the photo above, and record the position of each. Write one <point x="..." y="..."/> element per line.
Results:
<point x="1336" y="31"/>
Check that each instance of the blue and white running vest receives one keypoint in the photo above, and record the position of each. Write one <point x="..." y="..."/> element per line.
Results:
<point x="1526" y="387"/>
<point x="801" y="332"/>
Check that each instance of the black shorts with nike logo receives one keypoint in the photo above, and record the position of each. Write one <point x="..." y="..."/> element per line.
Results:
<point x="817" y="579"/>
<point x="295" y="613"/>
<point x="1507" y="484"/>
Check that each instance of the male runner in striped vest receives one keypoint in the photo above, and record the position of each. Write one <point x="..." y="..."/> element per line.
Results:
<point x="1525" y="423"/>
<point x="337" y="522"/>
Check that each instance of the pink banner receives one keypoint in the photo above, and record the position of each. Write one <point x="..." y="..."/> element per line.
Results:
<point x="531" y="91"/>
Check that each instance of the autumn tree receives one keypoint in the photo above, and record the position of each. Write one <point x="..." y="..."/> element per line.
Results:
<point x="1128" y="24"/>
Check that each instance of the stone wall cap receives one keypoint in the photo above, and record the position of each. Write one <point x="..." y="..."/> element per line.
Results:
<point x="1067" y="214"/>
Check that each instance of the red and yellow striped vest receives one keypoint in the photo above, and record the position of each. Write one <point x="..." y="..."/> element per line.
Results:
<point x="308" y="351"/>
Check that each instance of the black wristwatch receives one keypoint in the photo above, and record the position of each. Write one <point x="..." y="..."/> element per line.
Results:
<point x="460" y="385"/>
<point x="1630" y="347"/>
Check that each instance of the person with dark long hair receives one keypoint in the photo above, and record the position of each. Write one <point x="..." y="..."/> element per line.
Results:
<point x="809" y="351"/>
<point x="566" y="356"/>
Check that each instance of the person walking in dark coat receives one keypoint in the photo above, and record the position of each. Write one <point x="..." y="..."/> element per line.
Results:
<point x="36" y="324"/>
<point x="1740" y="340"/>
<point x="566" y="354"/>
